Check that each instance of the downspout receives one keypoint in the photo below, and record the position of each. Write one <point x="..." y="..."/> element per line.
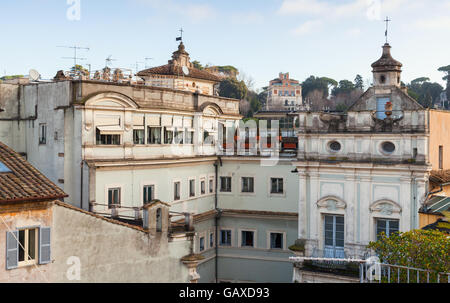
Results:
<point x="217" y="217"/>
<point x="81" y="184"/>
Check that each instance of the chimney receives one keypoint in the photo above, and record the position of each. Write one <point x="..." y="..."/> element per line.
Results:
<point x="156" y="216"/>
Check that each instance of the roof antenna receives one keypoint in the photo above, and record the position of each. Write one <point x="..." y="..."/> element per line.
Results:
<point x="75" y="58"/>
<point x="109" y="60"/>
<point x="146" y="59"/>
<point x="387" y="28"/>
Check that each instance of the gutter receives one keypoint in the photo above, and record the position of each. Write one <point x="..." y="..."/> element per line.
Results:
<point x="217" y="217"/>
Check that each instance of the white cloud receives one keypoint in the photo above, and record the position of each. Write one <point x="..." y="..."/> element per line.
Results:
<point x="436" y="23"/>
<point x="354" y="32"/>
<point x="247" y="18"/>
<point x="307" y="27"/>
<point x="353" y="8"/>
<point x="194" y="12"/>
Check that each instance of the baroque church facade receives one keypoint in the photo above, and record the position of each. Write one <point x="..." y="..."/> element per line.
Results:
<point x="366" y="171"/>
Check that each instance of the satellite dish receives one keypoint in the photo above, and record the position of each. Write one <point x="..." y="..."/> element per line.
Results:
<point x="185" y="70"/>
<point x="34" y="75"/>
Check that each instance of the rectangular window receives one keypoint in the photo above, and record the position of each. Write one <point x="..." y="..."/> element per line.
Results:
<point x="189" y="137"/>
<point x="154" y="135"/>
<point x="276" y="185"/>
<point x="202" y="243"/>
<point x="179" y="137"/>
<point x="211" y="239"/>
<point x="247" y="184"/>
<point x="106" y="139"/>
<point x="202" y="187"/>
<point x="211" y="185"/>
<point x="192" y="188"/>
<point x="138" y="136"/>
<point x="225" y="184"/>
<point x="149" y="193"/>
<point x="441" y="157"/>
<point x="247" y="238"/>
<point x="43" y="133"/>
<point x="28" y="246"/>
<point x="168" y="136"/>
<point x="334" y="237"/>
<point x="176" y="191"/>
<point x="276" y="241"/>
<point x="225" y="237"/>
<point x="113" y="197"/>
<point x="387" y="227"/>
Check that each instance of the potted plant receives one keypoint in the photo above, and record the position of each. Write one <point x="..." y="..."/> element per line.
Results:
<point x="298" y="248"/>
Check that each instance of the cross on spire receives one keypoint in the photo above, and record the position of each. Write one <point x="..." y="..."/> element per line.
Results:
<point x="181" y="36"/>
<point x="387" y="20"/>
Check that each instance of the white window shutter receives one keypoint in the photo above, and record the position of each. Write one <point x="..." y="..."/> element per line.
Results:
<point x="44" y="245"/>
<point x="12" y="250"/>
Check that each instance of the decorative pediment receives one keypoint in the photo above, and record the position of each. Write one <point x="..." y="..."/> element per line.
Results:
<point x="111" y="100"/>
<point x="385" y="207"/>
<point x="211" y="109"/>
<point x="331" y="203"/>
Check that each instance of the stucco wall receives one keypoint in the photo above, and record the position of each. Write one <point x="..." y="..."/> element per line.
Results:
<point x="19" y="216"/>
<point x="113" y="253"/>
<point x="439" y="135"/>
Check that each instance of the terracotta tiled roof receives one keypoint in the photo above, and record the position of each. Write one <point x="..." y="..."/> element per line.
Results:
<point x="20" y="181"/>
<point x="176" y="70"/>
<point x="440" y="176"/>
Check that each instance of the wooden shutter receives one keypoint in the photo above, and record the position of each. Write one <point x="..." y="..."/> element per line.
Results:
<point x="44" y="245"/>
<point x="12" y="250"/>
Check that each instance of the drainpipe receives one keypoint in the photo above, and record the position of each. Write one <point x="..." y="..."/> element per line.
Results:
<point x="81" y="184"/>
<point x="217" y="217"/>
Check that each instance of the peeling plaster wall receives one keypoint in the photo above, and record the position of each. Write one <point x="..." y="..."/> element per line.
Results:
<point x="113" y="253"/>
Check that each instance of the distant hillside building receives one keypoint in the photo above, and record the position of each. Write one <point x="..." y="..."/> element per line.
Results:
<point x="284" y="93"/>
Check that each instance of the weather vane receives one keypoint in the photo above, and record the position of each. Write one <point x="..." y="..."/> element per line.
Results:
<point x="387" y="27"/>
<point x="181" y="36"/>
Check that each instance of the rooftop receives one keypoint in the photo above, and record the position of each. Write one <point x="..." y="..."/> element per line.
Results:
<point x="21" y="182"/>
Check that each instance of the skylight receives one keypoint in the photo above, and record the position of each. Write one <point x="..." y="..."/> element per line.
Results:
<point x="4" y="168"/>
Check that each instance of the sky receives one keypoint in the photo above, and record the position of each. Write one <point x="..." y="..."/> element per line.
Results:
<point x="331" y="38"/>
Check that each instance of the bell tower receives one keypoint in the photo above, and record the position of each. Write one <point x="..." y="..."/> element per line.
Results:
<point x="387" y="71"/>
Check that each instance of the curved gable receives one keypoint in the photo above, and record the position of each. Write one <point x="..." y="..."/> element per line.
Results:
<point x="111" y="100"/>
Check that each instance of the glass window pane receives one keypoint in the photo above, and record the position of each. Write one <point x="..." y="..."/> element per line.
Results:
<point x="21" y="245"/>
<point x="32" y="244"/>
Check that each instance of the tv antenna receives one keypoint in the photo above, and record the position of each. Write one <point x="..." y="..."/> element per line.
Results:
<point x="137" y="66"/>
<point x="75" y="49"/>
<point x="147" y="59"/>
<point x="109" y="60"/>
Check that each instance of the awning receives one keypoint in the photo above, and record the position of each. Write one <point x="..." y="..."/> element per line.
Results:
<point x="110" y="130"/>
<point x="438" y="204"/>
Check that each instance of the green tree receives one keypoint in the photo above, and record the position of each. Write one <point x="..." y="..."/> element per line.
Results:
<point x="359" y="82"/>
<point x="232" y="88"/>
<point x="197" y="64"/>
<point x="322" y="84"/>
<point x="344" y="87"/>
<point x="79" y="69"/>
<point x="423" y="249"/>
<point x="425" y="92"/>
<point x="446" y="70"/>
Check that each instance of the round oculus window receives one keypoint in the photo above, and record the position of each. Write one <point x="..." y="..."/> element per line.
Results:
<point x="335" y="146"/>
<point x="388" y="147"/>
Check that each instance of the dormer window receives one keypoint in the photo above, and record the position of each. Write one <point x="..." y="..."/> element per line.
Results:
<point x="382" y="79"/>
